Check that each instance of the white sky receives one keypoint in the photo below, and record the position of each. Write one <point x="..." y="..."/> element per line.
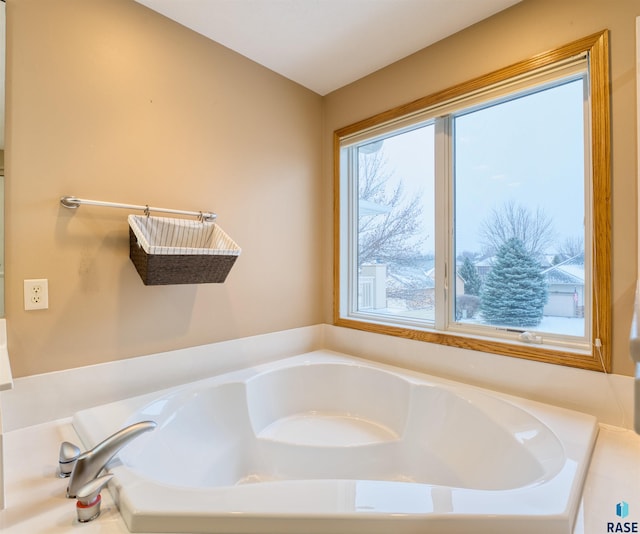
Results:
<point x="529" y="151"/>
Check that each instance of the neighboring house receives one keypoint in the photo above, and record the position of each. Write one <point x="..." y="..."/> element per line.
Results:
<point x="413" y="285"/>
<point x="404" y="286"/>
<point x="566" y="288"/>
<point x="483" y="267"/>
<point x="416" y="286"/>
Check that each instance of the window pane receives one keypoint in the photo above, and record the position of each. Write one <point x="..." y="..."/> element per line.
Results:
<point x="519" y="213"/>
<point x="396" y="225"/>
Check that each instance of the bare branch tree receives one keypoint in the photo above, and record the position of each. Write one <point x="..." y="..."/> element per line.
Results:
<point x="533" y="229"/>
<point x="571" y="247"/>
<point x="392" y="235"/>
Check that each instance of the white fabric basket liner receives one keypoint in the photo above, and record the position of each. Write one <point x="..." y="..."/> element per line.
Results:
<point x="166" y="235"/>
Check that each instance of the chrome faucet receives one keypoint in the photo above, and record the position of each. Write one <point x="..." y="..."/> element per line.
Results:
<point x="87" y="466"/>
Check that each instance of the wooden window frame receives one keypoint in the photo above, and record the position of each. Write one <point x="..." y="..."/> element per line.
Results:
<point x="599" y="357"/>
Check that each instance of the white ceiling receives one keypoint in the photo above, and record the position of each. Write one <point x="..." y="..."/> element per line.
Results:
<point x="326" y="44"/>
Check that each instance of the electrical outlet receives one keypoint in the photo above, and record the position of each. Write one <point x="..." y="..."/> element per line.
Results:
<point x="36" y="294"/>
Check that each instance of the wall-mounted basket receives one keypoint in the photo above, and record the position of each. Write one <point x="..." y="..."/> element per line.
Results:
<point x="178" y="251"/>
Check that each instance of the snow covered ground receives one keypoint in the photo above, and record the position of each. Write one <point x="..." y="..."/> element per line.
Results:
<point x="567" y="326"/>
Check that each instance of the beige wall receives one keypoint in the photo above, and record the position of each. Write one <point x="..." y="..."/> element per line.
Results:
<point x="111" y="101"/>
<point x="108" y="100"/>
<point x="526" y="29"/>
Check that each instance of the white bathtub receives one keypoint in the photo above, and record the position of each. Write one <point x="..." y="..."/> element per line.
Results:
<point x="324" y="442"/>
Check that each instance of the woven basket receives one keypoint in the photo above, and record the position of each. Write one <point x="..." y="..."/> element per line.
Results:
<point x="178" y="251"/>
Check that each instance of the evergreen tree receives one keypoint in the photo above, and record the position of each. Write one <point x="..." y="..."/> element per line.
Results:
<point x="514" y="292"/>
<point x="469" y="274"/>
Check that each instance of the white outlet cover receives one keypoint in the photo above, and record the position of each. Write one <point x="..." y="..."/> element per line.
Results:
<point x="36" y="294"/>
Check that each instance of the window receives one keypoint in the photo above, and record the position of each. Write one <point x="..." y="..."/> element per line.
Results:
<point x="479" y="217"/>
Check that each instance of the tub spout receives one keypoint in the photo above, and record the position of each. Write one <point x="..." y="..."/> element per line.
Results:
<point x="89" y="464"/>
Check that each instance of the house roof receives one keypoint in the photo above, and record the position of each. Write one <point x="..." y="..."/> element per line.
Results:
<point x="570" y="271"/>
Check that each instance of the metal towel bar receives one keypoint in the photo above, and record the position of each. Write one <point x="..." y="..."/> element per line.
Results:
<point x="74" y="202"/>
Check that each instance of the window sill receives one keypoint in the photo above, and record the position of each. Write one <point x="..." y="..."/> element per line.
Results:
<point x="583" y="359"/>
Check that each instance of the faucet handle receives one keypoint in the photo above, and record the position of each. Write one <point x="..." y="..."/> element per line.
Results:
<point x="89" y="499"/>
<point x="90" y="463"/>
<point x="67" y="459"/>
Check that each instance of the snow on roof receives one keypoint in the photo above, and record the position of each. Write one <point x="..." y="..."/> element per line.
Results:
<point x="414" y="277"/>
<point x="570" y="271"/>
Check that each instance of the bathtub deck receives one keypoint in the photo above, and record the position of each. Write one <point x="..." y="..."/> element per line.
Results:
<point x="35" y="417"/>
<point x="36" y="502"/>
<point x="35" y="496"/>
